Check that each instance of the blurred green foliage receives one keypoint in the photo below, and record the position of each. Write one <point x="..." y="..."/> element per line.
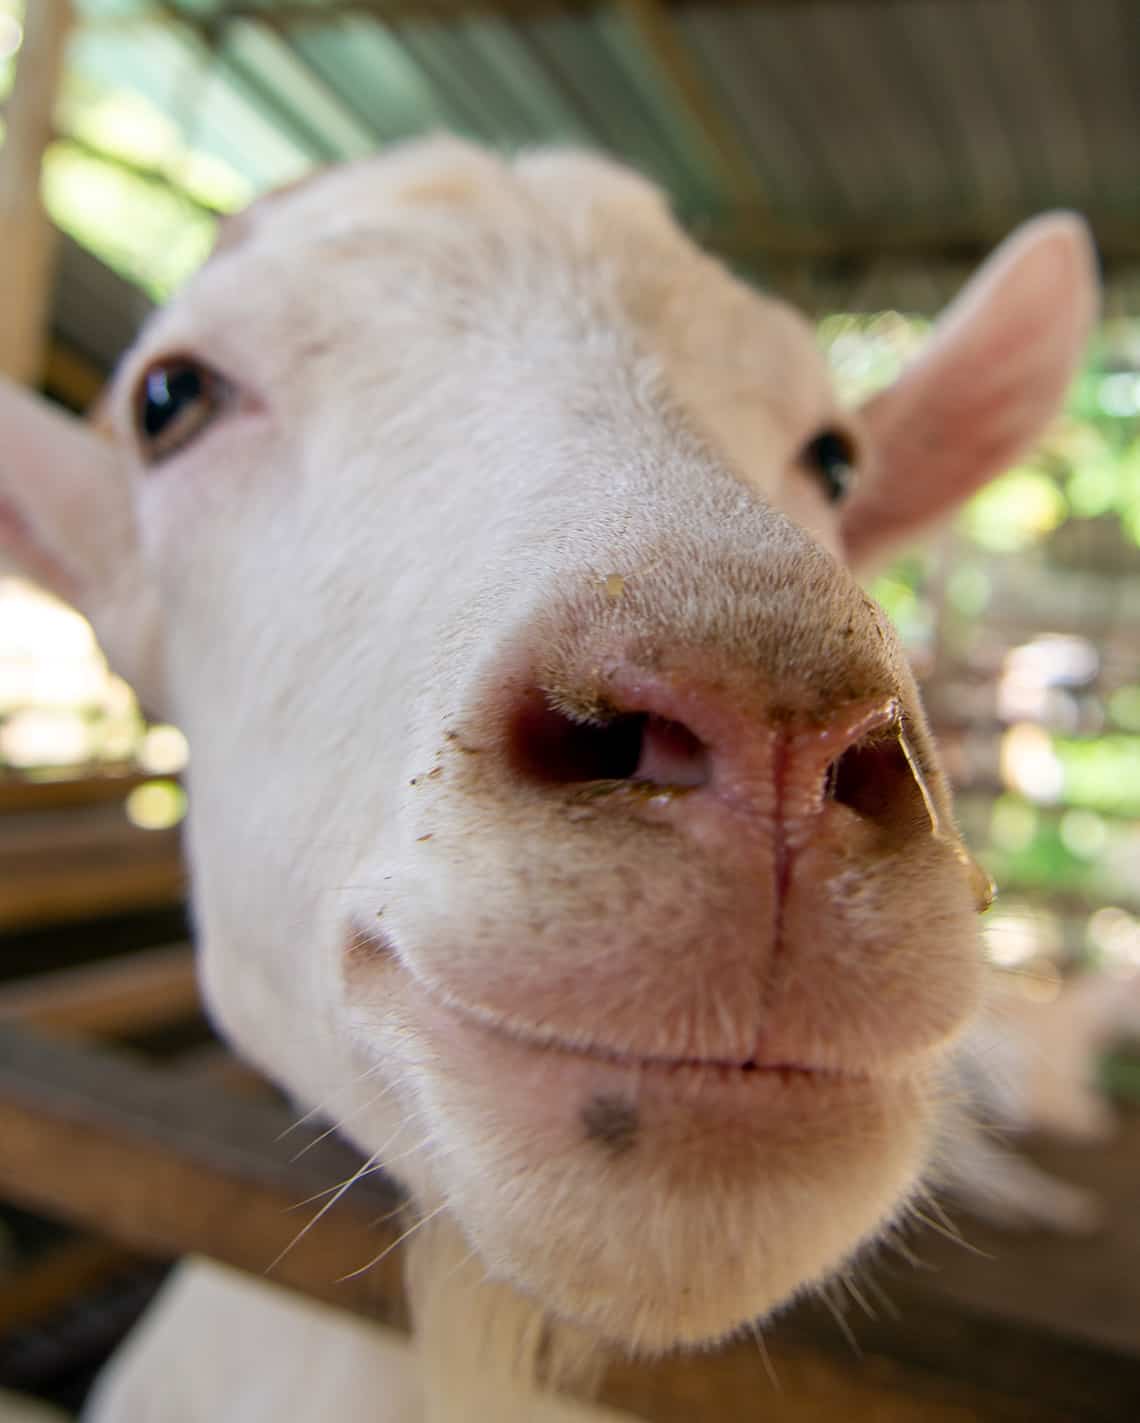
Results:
<point x="1101" y="773"/>
<point x="1071" y="836"/>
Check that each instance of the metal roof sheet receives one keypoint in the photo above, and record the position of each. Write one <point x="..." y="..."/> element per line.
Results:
<point x="856" y="150"/>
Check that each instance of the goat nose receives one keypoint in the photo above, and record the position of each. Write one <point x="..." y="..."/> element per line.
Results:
<point x="755" y="757"/>
<point x="861" y="758"/>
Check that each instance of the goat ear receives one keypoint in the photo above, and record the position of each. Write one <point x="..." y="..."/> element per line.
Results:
<point x="995" y="372"/>
<point x="67" y="520"/>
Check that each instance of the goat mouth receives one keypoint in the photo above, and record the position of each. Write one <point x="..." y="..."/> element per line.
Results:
<point x="727" y="1070"/>
<point x="442" y="1011"/>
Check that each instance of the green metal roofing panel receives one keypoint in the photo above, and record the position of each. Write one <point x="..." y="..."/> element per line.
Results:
<point x="695" y="186"/>
<point x="512" y="68"/>
<point x="179" y="75"/>
<point x="280" y="74"/>
<point x="377" y="76"/>
<point x="851" y="143"/>
<point x="577" y="57"/>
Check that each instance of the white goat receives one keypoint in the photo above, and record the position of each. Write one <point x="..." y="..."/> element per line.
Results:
<point x="564" y="819"/>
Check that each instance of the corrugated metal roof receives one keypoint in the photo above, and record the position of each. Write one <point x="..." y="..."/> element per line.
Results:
<point x="856" y="149"/>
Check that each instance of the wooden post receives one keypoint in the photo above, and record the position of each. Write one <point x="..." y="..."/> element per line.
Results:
<point x="27" y="238"/>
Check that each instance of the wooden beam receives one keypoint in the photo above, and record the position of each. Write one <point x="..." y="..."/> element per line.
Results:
<point x="84" y="864"/>
<point x="27" y="238"/>
<point x="112" y="998"/>
<point x="936" y="1362"/>
<point x="803" y="257"/>
<point x="166" y="1166"/>
<point x="285" y="14"/>
<point x="22" y="794"/>
<point x="956" y="236"/>
<point x="52" y="1281"/>
<point x="71" y="377"/>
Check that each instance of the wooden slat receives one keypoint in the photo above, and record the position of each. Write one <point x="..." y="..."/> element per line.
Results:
<point x="82" y="864"/>
<point x="72" y="377"/>
<point x="1087" y="1287"/>
<point x="166" y="1166"/>
<point x="131" y="993"/>
<point x="288" y="13"/>
<point x="24" y="794"/>
<point x="935" y="1364"/>
<point x="29" y="1292"/>
<point x="806" y="1386"/>
<point x="90" y="889"/>
<point x="27" y="238"/>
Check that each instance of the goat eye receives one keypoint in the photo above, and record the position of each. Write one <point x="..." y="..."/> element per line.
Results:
<point x="177" y="398"/>
<point x="831" y="458"/>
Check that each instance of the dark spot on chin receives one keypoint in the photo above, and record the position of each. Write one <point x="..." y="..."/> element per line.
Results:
<point x="612" y="1122"/>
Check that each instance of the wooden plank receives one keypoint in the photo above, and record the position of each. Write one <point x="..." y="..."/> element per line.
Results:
<point x="213" y="1063"/>
<point x="82" y="864"/>
<point x="170" y="1166"/>
<point x="1084" y="1286"/>
<point x="960" y="239"/>
<point x="72" y="377"/>
<point x="20" y="794"/>
<point x="166" y="1166"/>
<point x="806" y="1386"/>
<point x="937" y="1363"/>
<point x="131" y="993"/>
<point x="288" y="13"/>
<point x="29" y="1292"/>
<point x="94" y="886"/>
<point x="27" y="238"/>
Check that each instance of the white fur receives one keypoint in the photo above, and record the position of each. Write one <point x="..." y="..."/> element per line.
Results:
<point x="501" y="433"/>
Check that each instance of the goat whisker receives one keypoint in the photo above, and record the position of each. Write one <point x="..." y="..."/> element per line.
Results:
<point x="352" y="1274"/>
<point x="766" y="1358"/>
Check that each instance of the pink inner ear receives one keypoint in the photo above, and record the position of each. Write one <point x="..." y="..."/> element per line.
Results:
<point x="62" y="495"/>
<point x="995" y="373"/>
<point x="30" y="555"/>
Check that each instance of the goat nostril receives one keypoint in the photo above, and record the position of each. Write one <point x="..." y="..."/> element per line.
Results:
<point x="879" y="781"/>
<point x="548" y="746"/>
<point x="671" y="755"/>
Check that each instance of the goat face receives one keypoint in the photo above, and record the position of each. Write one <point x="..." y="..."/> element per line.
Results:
<point x="564" y="816"/>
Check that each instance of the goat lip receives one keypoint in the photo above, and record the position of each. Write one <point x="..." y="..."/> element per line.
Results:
<point x="529" y="1039"/>
<point x="433" y="1002"/>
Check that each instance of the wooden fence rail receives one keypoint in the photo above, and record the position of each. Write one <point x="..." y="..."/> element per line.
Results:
<point x="167" y="1163"/>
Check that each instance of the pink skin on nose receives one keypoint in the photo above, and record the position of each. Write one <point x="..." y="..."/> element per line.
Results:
<point x="745" y="787"/>
<point x="735" y="760"/>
